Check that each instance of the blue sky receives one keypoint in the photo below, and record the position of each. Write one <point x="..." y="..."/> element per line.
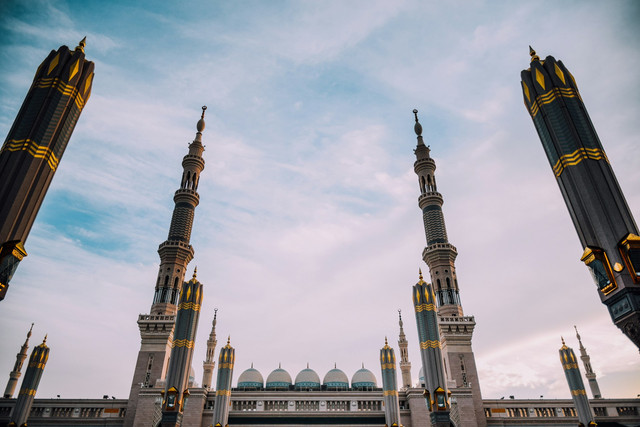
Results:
<point x="308" y="237"/>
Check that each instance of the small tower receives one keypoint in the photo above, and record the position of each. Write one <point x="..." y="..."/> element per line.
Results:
<point x="210" y="361"/>
<point x="390" y="386"/>
<point x="405" y="365"/>
<point x="29" y="386"/>
<point x="34" y="147"/>
<point x="600" y="214"/>
<point x="588" y="371"/>
<point x="456" y="329"/>
<point x="177" y="383"/>
<point x="427" y="319"/>
<point x="576" y="386"/>
<point x="15" y="374"/>
<point x="223" y="385"/>
<point x="156" y="328"/>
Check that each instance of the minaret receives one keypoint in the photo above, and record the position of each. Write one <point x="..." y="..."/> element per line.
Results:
<point x="210" y="362"/>
<point x="15" y="374"/>
<point x="223" y="385"/>
<point x="34" y="147"/>
<point x="576" y="386"/>
<point x="390" y="386"/>
<point x="405" y="365"/>
<point x="600" y="214"/>
<point x="29" y="386"/>
<point x="591" y="376"/>
<point x="432" y="363"/>
<point x="176" y="389"/>
<point x="156" y="328"/>
<point x="456" y="330"/>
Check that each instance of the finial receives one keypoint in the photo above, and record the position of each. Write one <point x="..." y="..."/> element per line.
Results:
<point x="417" y="127"/>
<point x="362" y="365"/>
<point x="45" y="339"/>
<point x="307" y="365"/>
<point x="335" y="365"/>
<point x="577" y="334"/>
<point x="251" y="365"/>
<point x="29" y="333"/>
<point x="532" y="52"/>
<point x="215" y="317"/>
<point x="279" y="365"/>
<point x="400" y="317"/>
<point x="195" y="272"/>
<point x="385" y="341"/>
<point x="562" y="338"/>
<point x="82" y="44"/>
<point x="200" y="125"/>
<point x="229" y="340"/>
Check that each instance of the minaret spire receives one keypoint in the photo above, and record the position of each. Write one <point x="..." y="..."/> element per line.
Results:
<point x="29" y="386"/>
<point x="210" y="362"/>
<point x="157" y="327"/>
<point x="403" y="345"/>
<point x="589" y="374"/>
<point x="15" y="373"/>
<point x="389" y="385"/>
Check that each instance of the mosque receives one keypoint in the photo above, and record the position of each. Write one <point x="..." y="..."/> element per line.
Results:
<point x="164" y="391"/>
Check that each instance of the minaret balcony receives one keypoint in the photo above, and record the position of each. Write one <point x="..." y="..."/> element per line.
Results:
<point x="422" y="164"/>
<point x="430" y="198"/>
<point x="193" y="160"/>
<point x="186" y="195"/>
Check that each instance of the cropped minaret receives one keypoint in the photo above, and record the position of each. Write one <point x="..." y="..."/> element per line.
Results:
<point x="403" y="345"/>
<point x="456" y="330"/>
<point x="156" y="328"/>
<point x="34" y="147"/>
<point x="15" y="374"/>
<point x="210" y="361"/>
<point x="29" y="386"/>
<point x="177" y="381"/>
<point x="589" y="374"/>
<point x="600" y="214"/>
<point x="432" y="363"/>
<point x="223" y="385"/>
<point x="390" y="386"/>
<point x="576" y="386"/>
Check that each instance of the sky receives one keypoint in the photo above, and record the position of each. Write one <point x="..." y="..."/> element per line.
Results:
<point x="308" y="236"/>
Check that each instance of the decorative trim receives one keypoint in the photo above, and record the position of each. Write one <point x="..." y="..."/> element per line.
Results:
<point x="32" y="147"/>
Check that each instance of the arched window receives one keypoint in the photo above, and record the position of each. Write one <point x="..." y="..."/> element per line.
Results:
<point x="175" y="283"/>
<point x="448" y="283"/>
<point x="422" y="185"/>
<point x="429" y="185"/>
<point x="166" y="280"/>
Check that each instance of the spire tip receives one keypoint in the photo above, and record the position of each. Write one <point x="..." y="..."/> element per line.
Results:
<point x="417" y="127"/>
<point x="533" y="55"/>
<point x="82" y="44"/>
<point x="200" y="125"/>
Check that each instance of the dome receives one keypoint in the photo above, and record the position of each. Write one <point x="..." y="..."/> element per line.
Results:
<point x="278" y="379"/>
<point x="421" y="378"/>
<point x="251" y="378"/>
<point x="336" y="379"/>
<point x="307" y="379"/>
<point x="364" y="379"/>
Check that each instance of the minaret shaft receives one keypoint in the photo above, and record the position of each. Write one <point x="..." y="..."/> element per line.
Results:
<point x="209" y="363"/>
<point x="226" y="362"/>
<point x="589" y="374"/>
<point x="403" y="345"/>
<point x="14" y="375"/>
<point x="576" y="386"/>
<point x="390" y="386"/>
<point x="29" y="387"/>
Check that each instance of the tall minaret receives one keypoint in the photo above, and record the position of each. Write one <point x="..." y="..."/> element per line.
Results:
<point x="600" y="214"/>
<point x="390" y="385"/>
<point x="588" y="371"/>
<point x="177" y="382"/>
<point x="223" y="385"/>
<point x="403" y="345"/>
<point x="34" y="147"/>
<point x="435" y="392"/>
<point x="210" y="362"/>
<point x="29" y="386"/>
<point x="15" y="374"/>
<point x="156" y="328"/>
<point x="456" y="330"/>
<point x="576" y="386"/>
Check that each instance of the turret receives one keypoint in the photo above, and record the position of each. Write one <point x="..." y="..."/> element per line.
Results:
<point x="576" y="386"/>
<point x="29" y="386"/>
<point x="390" y="386"/>
<point x="223" y="385"/>
<point x="589" y="374"/>
<point x="210" y="361"/>
<point x="403" y="345"/>
<point x="34" y="147"/>
<point x="15" y="373"/>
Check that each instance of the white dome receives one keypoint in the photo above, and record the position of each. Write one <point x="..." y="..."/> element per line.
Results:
<point x="336" y="378"/>
<point x="307" y="378"/>
<point x="279" y="378"/>
<point x="363" y="378"/>
<point x="251" y="378"/>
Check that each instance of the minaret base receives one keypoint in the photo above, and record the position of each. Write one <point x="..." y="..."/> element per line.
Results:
<point x="440" y="419"/>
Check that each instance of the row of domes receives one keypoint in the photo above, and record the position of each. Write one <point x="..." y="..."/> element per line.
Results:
<point x="307" y="379"/>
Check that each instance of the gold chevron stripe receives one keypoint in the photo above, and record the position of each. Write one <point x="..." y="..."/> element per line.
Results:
<point x="567" y="366"/>
<point x="28" y="391"/>
<point x="388" y="366"/>
<point x="36" y="365"/>
<point x="578" y="392"/>
<point x="225" y="365"/>
<point x="390" y="393"/>
<point x="189" y="306"/>
<point x="62" y="87"/>
<point x="223" y="393"/>
<point x="576" y="157"/>
<point x="429" y="344"/>
<point x="551" y="96"/>
<point x="32" y="148"/>
<point x="425" y="307"/>
<point x="183" y="343"/>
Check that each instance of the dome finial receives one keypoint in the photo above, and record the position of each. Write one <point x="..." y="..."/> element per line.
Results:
<point x="421" y="280"/>
<point x="362" y="365"/>
<point x="417" y="127"/>
<point x="532" y="52"/>
<point x="82" y="44"/>
<point x="29" y="333"/>
<point x="385" y="341"/>
<point x="195" y="272"/>
<point x="229" y="340"/>
<point x="307" y="365"/>
<point x="44" y="341"/>
<point x="200" y="125"/>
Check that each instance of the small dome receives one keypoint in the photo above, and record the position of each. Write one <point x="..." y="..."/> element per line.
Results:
<point x="336" y="379"/>
<point x="364" y="379"/>
<point x="421" y="378"/>
<point x="251" y="378"/>
<point x="307" y="379"/>
<point x="278" y="379"/>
